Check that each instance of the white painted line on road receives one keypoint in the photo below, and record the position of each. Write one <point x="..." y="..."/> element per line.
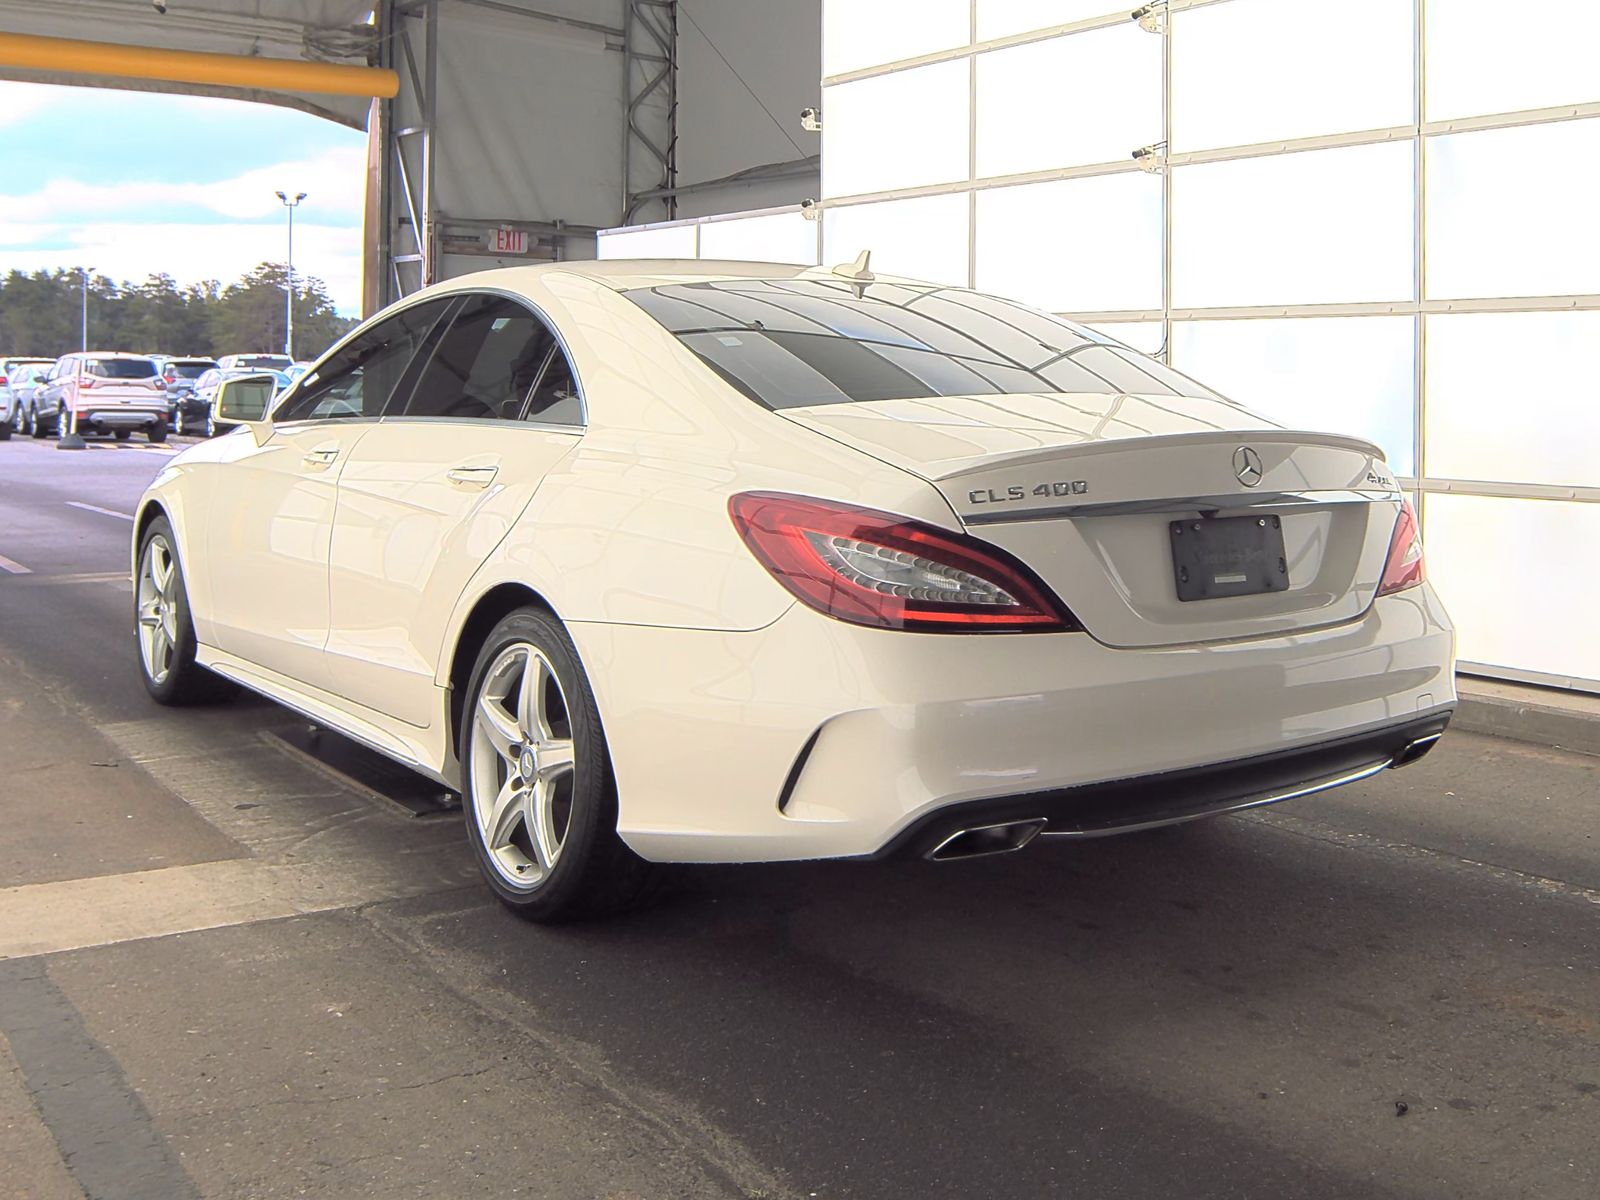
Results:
<point x="121" y="516"/>
<point x="12" y="567"/>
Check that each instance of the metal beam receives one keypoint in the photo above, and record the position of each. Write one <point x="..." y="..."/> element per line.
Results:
<point x="108" y="60"/>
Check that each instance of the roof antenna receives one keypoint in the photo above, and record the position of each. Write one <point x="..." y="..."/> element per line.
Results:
<point x="857" y="272"/>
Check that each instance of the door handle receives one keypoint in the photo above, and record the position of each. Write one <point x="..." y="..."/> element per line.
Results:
<point x="472" y="476"/>
<point x="323" y="456"/>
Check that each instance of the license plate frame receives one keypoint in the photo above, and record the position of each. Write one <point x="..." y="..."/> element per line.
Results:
<point x="1218" y="557"/>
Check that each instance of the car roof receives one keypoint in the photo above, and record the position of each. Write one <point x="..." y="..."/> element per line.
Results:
<point x="111" y="354"/>
<point x="624" y="274"/>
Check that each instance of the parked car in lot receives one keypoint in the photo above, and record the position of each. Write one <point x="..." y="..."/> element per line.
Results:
<point x="16" y="390"/>
<point x="108" y="392"/>
<point x="688" y="561"/>
<point x="179" y="375"/>
<point x="195" y="414"/>
<point x="269" y="362"/>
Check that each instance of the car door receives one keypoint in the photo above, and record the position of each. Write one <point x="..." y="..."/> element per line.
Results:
<point x="272" y="506"/>
<point x="427" y="496"/>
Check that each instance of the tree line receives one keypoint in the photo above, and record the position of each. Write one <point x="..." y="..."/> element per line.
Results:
<point x="40" y="314"/>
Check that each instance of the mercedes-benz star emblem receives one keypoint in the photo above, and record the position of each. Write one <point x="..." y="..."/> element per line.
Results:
<point x="1247" y="466"/>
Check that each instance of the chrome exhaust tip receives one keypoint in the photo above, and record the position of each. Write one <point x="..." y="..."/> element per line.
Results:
<point x="986" y="839"/>
<point x="1414" y="750"/>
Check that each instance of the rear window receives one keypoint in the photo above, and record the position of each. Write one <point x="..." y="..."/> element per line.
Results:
<point x="257" y="361"/>
<point x="121" y="368"/>
<point x="185" y="370"/>
<point x="794" y="343"/>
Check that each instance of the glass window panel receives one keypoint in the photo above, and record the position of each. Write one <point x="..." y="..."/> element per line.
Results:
<point x="1352" y="375"/>
<point x="484" y="366"/>
<point x="1241" y="73"/>
<point x="1488" y="56"/>
<point x="1144" y="336"/>
<point x="1483" y="557"/>
<point x="776" y="237"/>
<point x="925" y="238"/>
<point x="1514" y="397"/>
<point x="857" y="34"/>
<point x="674" y="241"/>
<point x="1078" y="245"/>
<point x="899" y="130"/>
<point x="1085" y="98"/>
<point x="1506" y="211"/>
<point x="1002" y="18"/>
<point x="1323" y="226"/>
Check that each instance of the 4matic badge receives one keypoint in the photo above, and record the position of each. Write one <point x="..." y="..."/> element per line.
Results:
<point x="1021" y="491"/>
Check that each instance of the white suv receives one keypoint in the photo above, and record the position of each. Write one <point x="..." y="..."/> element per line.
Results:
<point x="110" y="393"/>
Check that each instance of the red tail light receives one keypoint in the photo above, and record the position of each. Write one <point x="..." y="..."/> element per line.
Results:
<point x="1404" y="567"/>
<point x="86" y="381"/>
<point x="2" y="380"/>
<point x="875" y="568"/>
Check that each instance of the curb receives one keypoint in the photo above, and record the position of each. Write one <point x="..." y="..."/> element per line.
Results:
<point x="1527" y="720"/>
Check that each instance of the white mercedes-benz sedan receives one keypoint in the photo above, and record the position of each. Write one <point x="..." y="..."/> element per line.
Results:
<point x="730" y="562"/>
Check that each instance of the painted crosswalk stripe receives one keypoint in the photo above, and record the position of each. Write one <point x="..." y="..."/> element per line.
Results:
<point x="12" y="567"/>
<point x="109" y="512"/>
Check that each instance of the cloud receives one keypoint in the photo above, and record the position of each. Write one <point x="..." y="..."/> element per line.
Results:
<point x="20" y="101"/>
<point x="334" y="182"/>
<point x="191" y="252"/>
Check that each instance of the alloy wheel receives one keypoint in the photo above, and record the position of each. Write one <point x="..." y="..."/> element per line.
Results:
<point x="158" y="608"/>
<point x="523" y="766"/>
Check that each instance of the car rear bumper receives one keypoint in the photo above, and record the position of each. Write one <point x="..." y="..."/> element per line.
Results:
<point x="121" y="418"/>
<point x="1172" y="797"/>
<point x="816" y="739"/>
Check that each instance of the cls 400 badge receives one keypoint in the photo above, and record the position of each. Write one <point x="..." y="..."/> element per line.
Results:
<point x="1020" y="491"/>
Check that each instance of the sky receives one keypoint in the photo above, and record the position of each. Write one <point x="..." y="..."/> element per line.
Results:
<point x="134" y="184"/>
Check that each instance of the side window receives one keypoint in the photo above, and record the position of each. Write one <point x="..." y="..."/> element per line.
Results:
<point x="358" y="380"/>
<point x="484" y="366"/>
<point x="555" y="400"/>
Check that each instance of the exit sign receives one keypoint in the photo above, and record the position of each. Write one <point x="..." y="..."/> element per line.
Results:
<point x="506" y="240"/>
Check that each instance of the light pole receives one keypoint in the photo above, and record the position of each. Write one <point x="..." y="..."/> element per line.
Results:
<point x="67" y="435"/>
<point x="288" y="287"/>
<point x="83" y="277"/>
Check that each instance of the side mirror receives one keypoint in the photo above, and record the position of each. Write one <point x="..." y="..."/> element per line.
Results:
<point x="246" y="401"/>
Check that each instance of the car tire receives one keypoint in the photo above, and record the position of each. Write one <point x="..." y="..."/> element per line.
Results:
<point x="211" y="424"/>
<point x="157" y="433"/>
<point x="163" y="627"/>
<point x="7" y="426"/>
<point x="177" y="421"/>
<point x="36" y="427"/>
<point x="576" y="864"/>
<point x="122" y="435"/>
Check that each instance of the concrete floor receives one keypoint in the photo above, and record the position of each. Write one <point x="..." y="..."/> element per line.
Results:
<point x="225" y="974"/>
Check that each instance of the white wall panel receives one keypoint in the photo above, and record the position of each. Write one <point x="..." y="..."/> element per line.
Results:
<point x="1084" y="98"/>
<point x="899" y="130"/>
<point x="671" y="241"/>
<point x="1492" y="56"/>
<point x="1323" y="226"/>
<point x="1262" y="70"/>
<point x="1514" y="397"/>
<point x="1351" y="375"/>
<point x="867" y="33"/>
<point x="924" y="238"/>
<point x="1511" y="211"/>
<point x="1519" y="578"/>
<point x="1002" y="18"/>
<point x="1078" y="245"/>
<point x="776" y="237"/>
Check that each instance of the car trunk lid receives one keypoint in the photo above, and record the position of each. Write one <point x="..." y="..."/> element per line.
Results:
<point x="1087" y="490"/>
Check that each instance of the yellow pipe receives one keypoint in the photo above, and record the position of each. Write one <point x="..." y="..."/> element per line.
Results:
<point x="189" y="66"/>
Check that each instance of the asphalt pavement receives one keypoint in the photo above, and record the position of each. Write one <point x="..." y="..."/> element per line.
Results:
<point x="226" y="972"/>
